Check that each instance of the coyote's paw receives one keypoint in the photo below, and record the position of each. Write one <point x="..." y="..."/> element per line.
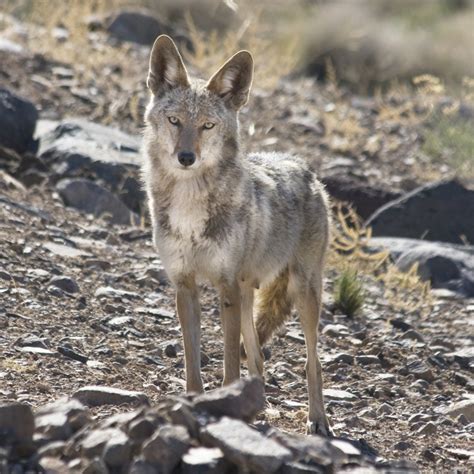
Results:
<point x="323" y="429"/>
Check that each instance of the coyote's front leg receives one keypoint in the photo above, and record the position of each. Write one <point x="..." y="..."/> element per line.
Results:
<point x="189" y="313"/>
<point x="230" y="315"/>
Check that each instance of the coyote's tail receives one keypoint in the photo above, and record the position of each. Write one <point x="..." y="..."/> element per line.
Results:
<point x="273" y="307"/>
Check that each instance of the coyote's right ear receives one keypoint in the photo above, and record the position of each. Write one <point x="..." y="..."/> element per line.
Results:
<point x="167" y="69"/>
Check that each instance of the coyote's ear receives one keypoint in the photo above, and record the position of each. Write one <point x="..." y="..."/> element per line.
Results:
<point x="166" y="67"/>
<point x="233" y="80"/>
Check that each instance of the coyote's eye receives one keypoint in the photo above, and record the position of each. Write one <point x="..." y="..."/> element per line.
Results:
<point x="173" y="120"/>
<point x="209" y="125"/>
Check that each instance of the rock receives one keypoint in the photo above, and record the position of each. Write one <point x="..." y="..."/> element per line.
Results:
<point x="60" y="419"/>
<point x="403" y="445"/>
<point x="91" y="198"/>
<point x="367" y="360"/>
<point x="93" y="444"/>
<point x="247" y="448"/>
<point x="464" y="407"/>
<point x="65" y="283"/>
<point x="427" y="429"/>
<point x="339" y="395"/>
<point x="243" y="399"/>
<point x="138" y="26"/>
<point x="53" y="465"/>
<point x="17" y="421"/>
<point x="423" y="213"/>
<point x="340" y="358"/>
<point x="420" y="370"/>
<point x="204" y="461"/>
<point x="384" y="409"/>
<point x="445" y="265"/>
<point x="166" y="447"/>
<point x="364" y="198"/>
<point x="17" y="122"/>
<point x="109" y="292"/>
<point x="413" y="335"/>
<point x="464" y="357"/>
<point x="399" y="323"/>
<point x="101" y="395"/>
<point x="117" y="451"/>
<point x="141" y="429"/>
<point x="335" y="330"/>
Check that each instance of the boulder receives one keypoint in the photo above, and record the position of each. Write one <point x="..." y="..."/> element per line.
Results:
<point x="92" y="198"/>
<point x="243" y="399"/>
<point x="17" y="122"/>
<point x="363" y="198"/>
<point x="76" y="148"/>
<point x="440" y="211"/>
<point x="136" y="26"/>
<point x="445" y="265"/>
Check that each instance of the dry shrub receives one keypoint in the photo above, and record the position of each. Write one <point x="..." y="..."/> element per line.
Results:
<point x="404" y="291"/>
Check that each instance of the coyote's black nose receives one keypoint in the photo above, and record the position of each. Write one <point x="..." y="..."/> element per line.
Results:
<point x="186" y="158"/>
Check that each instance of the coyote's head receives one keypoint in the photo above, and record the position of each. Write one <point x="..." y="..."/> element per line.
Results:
<point x="192" y="124"/>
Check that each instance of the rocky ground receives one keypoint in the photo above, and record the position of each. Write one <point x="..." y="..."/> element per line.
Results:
<point x="85" y="300"/>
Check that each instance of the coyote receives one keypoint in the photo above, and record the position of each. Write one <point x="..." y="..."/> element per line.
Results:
<point x="256" y="226"/>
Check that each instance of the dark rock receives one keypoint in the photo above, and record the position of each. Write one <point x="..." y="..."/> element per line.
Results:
<point x="89" y="197"/>
<point x="17" y="122"/>
<point x="141" y="429"/>
<point x="425" y="212"/>
<point x="420" y="370"/>
<point x="403" y="445"/>
<point x="401" y="324"/>
<point x="427" y="429"/>
<point x="135" y="26"/>
<point x="243" y="399"/>
<point x="166" y="447"/>
<point x="464" y="357"/>
<point x="117" y="451"/>
<point x="247" y="448"/>
<point x="93" y="444"/>
<point x="367" y="360"/>
<point x="16" y="421"/>
<point x="364" y="198"/>
<point x="65" y="283"/>
<point x="99" y="395"/>
<point x="444" y="265"/>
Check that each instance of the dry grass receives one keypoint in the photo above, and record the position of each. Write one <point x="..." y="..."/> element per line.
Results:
<point x="404" y="291"/>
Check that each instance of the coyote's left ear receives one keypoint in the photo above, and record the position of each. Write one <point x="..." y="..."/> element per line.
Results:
<point x="167" y="69"/>
<point x="233" y="80"/>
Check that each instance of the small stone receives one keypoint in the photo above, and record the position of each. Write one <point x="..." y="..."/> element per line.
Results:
<point x="117" y="451"/>
<point x="462" y="420"/>
<point x="17" y="420"/>
<point x="101" y="395"/>
<point x="64" y="283"/>
<point x="399" y="323"/>
<point x="384" y="409"/>
<point x="342" y="395"/>
<point x="429" y="455"/>
<point x="108" y="292"/>
<point x="243" y="399"/>
<point x="166" y="447"/>
<point x="412" y="334"/>
<point x="402" y="445"/>
<point x="464" y="407"/>
<point x="53" y="465"/>
<point x="341" y="358"/>
<point x="427" y="429"/>
<point x="421" y="370"/>
<point x="335" y="330"/>
<point x="367" y="360"/>
<point x="247" y="448"/>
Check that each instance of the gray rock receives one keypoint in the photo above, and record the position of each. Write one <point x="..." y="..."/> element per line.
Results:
<point x="384" y="409"/>
<point x="166" y="447"/>
<point x="420" y="370"/>
<point x="109" y="292"/>
<point x="427" y="429"/>
<point x="17" y="122"/>
<point x="100" y="395"/>
<point x="445" y="265"/>
<point x="424" y="212"/>
<point x="17" y="420"/>
<point x="65" y="283"/>
<point x="464" y="407"/>
<point x="89" y="197"/>
<point x="464" y="357"/>
<point x="141" y="429"/>
<point x="340" y="395"/>
<point x="138" y="26"/>
<point x="203" y="461"/>
<point x="242" y="399"/>
<point x="335" y="330"/>
<point x="247" y="448"/>
<point x="93" y="444"/>
<point x="117" y="451"/>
